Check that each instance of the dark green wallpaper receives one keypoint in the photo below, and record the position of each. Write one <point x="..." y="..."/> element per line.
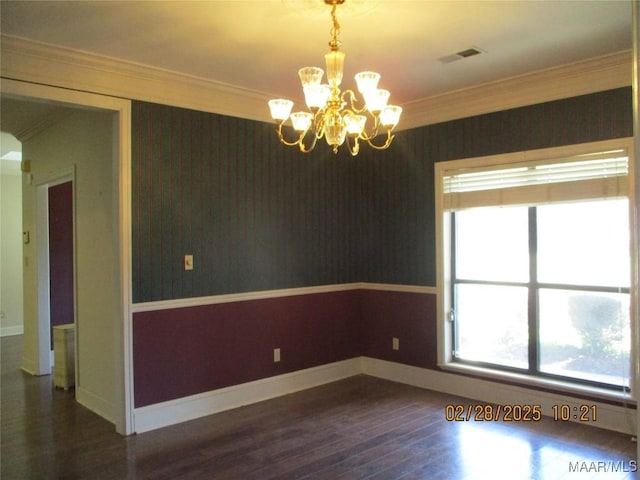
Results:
<point x="257" y="215"/>
<point x="254" y="214"/>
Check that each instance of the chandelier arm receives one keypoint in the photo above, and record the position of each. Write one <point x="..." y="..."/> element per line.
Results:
<point x="318" y="123"/>
<point x="387" y="143"/>
<point x="304" y="148"/>
<point x="353" y="101"/>
<point x="284" y="141"/>
<point x="356" y="146"/>
<point x="363" y="135"/>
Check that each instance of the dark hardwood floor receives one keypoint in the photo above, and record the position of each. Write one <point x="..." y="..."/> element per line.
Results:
<point x="361" y="427"/>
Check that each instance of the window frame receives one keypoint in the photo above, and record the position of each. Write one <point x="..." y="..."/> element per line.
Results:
<point x="444" y="265"/>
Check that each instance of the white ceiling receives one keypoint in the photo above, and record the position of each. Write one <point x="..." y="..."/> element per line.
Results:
<point x="259" y="45"/>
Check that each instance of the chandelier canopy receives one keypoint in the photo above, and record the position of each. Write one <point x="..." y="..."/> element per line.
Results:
<point x="337" y="116"/>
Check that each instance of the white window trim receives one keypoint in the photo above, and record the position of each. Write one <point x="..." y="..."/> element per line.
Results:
<point x="443" y="263"/>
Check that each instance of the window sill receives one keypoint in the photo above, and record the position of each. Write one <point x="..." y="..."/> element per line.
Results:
<point x="528" y="381"/>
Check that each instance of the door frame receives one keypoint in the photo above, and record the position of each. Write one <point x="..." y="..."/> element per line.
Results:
<point x="44" y="270"/>
<point x="124" y="418"/>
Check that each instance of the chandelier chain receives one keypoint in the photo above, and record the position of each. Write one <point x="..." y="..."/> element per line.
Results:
<point x="335" y="30"/>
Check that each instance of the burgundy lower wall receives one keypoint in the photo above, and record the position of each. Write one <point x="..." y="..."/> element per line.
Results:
<point x="185" y="351"/>
<point x="410" y="317"/>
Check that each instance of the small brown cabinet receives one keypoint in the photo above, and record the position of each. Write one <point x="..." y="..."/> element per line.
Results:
<point x="64" y="369"/>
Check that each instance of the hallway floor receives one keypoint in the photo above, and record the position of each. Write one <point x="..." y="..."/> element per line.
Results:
<point x="357" y="428"/>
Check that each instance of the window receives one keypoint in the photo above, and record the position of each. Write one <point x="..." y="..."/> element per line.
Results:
<point x="534" y="270"/>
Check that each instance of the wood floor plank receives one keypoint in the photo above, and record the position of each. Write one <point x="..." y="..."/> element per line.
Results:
<point x="358" y="428"/>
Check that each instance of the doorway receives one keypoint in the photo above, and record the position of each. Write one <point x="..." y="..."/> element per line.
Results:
<point x="102" y="206"/>
<point x="56" y="263"/>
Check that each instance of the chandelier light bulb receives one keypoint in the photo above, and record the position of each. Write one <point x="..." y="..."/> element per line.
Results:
<point x="280" y="109"/>
<point x="301" y="121"/>
<point x="310" y="76"/>
<point x="376" y="100"/>
<point x="354" y="124"/>
<point x="390" y="116"/>
<point x="316" y="96"/>
<point x="367" y="81"/>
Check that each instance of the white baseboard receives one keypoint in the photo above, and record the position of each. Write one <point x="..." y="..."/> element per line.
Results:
<point x="28" y="367"/>
<point x="11" y="331"/>
<point x="196" y="406"/>
<point x="160" y="415"/>
<point x="610" y="417"/>
<point x="95" y="403"/>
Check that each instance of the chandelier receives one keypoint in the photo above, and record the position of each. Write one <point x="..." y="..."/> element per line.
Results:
<point x="333" y="114"/>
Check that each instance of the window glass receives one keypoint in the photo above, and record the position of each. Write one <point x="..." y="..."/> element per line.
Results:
<point x="492" y="244"/>
<point x="491" y="322"/>
<point x="585" y="243"/>
<point x="537" y="272"/>
<point x="580" y="333"/>
<point x="585" y="335"/>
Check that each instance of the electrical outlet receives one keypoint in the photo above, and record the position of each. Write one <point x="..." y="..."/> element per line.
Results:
<point x="188" y="262"/>
<point x="276" y="355"/>
<point x="395" y="343"/>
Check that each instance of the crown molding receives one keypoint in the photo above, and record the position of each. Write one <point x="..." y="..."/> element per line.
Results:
<point x="36" y="62"/>
<point x="589" y="76"/>
<point x="30" y="61"/>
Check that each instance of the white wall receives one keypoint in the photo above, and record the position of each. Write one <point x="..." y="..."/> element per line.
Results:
<point x="11" y="311"/>
<point x="81" y="141"/>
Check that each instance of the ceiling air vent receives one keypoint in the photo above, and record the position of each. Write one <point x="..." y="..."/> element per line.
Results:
<point x="469" y="52"/>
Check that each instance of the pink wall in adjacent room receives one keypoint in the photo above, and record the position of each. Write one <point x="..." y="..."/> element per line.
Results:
<point x="61" y="254"/>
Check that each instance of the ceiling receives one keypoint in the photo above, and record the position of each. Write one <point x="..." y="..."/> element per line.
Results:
<point x="23" y="118"/>
<point x="260" y="45"/>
